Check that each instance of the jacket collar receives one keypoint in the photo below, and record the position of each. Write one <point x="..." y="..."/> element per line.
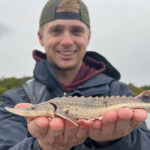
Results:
<point x="44" y="72"/>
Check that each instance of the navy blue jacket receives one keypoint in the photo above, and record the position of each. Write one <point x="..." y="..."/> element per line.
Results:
<point x="13" y="129"/>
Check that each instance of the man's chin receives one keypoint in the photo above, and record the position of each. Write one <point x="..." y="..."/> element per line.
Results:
<point x="66" y="68"/>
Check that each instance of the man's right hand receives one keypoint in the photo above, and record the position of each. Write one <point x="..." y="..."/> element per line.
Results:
<point x="56" y="134"/>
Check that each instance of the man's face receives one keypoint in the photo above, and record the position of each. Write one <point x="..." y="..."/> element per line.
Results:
<point x="65" y="43"/>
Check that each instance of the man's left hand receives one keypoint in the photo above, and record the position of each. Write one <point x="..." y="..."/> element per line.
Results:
<point x="115" y="125"/>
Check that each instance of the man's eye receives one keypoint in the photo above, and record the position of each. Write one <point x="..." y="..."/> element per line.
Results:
<point x="76" y="31"/>
<point x="56" y="31"/>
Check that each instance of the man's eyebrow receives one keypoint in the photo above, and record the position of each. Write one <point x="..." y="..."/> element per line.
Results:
<point x="79" y="28"/>
<point x="56" y="26"/>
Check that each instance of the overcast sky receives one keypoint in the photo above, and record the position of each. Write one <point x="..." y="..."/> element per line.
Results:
<point x="120" y="32"/>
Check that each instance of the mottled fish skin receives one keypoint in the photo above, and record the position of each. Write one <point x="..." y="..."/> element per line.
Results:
<point x="74" y="108"/>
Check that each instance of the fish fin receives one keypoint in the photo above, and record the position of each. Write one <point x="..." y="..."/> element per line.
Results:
<point x="144" y="96"/>
<point x="63" y="114"/>
<point x="101" y="117"/>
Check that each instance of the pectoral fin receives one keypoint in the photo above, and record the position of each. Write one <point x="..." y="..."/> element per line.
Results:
<point x="63" y="114"/>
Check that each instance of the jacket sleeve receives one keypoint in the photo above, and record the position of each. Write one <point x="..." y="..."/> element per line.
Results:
<point x="13" y="129"/>
<point x="138" y="139"/>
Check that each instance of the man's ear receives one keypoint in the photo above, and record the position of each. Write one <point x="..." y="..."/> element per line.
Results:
<point x="89" y="37"/>
<point x="40" y="36"/>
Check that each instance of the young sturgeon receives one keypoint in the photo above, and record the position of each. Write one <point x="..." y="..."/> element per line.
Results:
<point x="74" y="108"/>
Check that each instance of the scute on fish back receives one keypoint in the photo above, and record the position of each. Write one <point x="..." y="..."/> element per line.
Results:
<point x="73" y="108"/>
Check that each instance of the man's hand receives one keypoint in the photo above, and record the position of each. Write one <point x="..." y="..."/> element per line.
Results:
<point x="56" y="134"/>
<point x="115" y="125"/>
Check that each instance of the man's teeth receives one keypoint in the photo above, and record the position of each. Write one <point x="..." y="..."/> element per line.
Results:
<point x="67" y="53"/>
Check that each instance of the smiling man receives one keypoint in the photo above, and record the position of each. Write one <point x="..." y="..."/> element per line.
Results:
<point x="65" y="38"/>
<point x="66" y="68"/>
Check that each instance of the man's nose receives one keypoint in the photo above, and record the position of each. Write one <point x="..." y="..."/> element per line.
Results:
<point x="67" y="39"/>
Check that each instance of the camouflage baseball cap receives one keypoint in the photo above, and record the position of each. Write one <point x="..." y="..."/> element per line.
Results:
<point x="49" y="12"/>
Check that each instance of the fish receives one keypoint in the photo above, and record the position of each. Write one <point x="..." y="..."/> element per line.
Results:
<point x="74" y="108"/>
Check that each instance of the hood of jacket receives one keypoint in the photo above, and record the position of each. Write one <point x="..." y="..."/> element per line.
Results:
<point x="45" y="73"/>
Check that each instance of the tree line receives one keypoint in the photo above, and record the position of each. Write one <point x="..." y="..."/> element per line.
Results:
<point x="13" y="83"/>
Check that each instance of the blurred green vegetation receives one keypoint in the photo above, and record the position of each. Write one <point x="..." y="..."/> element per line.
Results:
<point x="13" y="83"/>
<point x="136" y="90"/>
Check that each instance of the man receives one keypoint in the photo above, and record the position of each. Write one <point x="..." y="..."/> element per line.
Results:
<point x="67" y="69"/>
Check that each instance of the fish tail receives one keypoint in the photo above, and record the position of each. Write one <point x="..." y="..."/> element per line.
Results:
<point x="144" y="96"/>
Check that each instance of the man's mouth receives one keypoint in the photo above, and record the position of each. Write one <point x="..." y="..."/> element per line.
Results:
<point x="66" y="53"/>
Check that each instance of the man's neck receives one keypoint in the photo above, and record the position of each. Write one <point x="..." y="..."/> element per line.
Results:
<point x="67" y="76"/>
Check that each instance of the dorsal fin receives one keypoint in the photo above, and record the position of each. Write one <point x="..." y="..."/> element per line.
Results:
<point x="107" y="98"/>
<point x="112" y="97"/>
<point x="117" y="97"/>
<point x="96" y="98"/>
<point x="90" y="98"/>
<point x="75" y="97"/>
<point x="101" y="98"/>
<point x="123" y="97"/>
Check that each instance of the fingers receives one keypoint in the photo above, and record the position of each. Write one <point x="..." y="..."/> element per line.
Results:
<point x="129" y="120"/>
<point x="96" y="124"/>
<point x="110" y="117"/>
<point x="38" y="127"/>
<point x="47" y="131"/>
<point x="69" y="124"/>
<point x="83" y="128"/>
<point x="139" y="115"/>
<point x="23" y="105"/>
<point x="57" y="124"/>
<point x="62" y="133"/>
<point x="55" y="132"/>
<point x="125" y="113"/>
<point x="118" y="124"/>
<point x="123" y="124"/>
<point x="70" y="130"/>
<point x="75" y="135"/>
<point x="108" y="123"/>
<point x="54" y="137"/>
<point x="102" y="129"/>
